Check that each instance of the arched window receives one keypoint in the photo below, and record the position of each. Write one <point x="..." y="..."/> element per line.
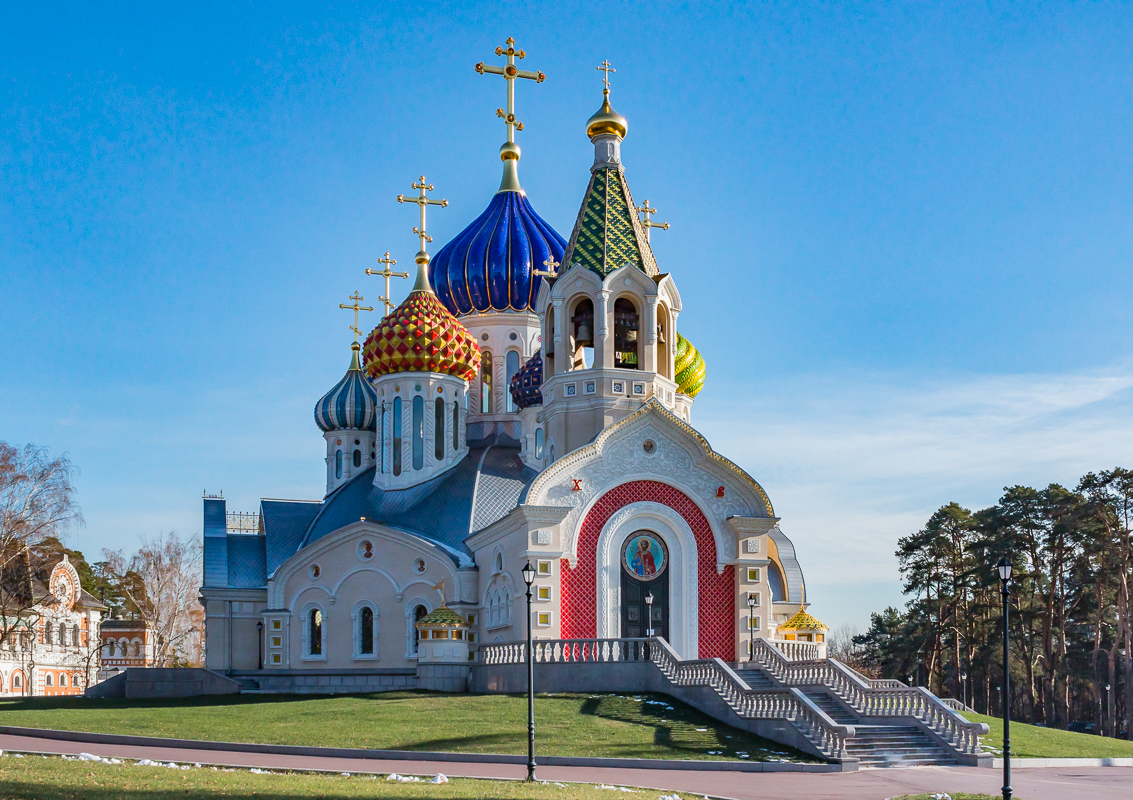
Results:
<point x="418" y="432"/>
<point x="418" y="612"/>
<point x="357" y="458"/>
<point x="338" y="464"/>
<point x="397" y="436"/>
<point x="625" y="334"/>
<point x="582" y="327"/>
<point x="63" y="679"/>
<point x="511" y="367"/>
<point x="123" y="648"/>
<point x="75" y="635"/>
<point x="62" y="635"/>
<point x="137" y="649"/>
<point x="548" y="340"/>
<point x="664" y="338"/>
<point x="552" y="459"/>
<point x="315" y="632"/>
<point x="48" y="631"/>
<point x="366" y="631"/>
<point x="486" y="382"/>
<point x="505" y="608"/>
<point x="48" y="681"/>
<point x="382" y="450"/>
<point x="456" y="426"/>
<point x="538" y="442"/>
<point x="439" y="433"/>
<point x="17" y="681"/>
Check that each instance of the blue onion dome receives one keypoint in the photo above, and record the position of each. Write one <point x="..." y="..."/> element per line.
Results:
<point x="351" y="403"/>
<point x="526" y="385"/>
<point x="489" y="265"/>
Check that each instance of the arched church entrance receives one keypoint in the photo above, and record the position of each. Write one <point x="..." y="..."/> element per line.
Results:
<point x="645" y="586"/>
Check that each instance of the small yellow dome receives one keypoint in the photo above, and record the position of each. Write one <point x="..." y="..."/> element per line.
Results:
<point x="803" y="621"/>
<point x="606" y="120"/>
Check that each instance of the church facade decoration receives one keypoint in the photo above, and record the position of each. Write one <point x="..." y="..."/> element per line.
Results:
<point x="529" y="402"/>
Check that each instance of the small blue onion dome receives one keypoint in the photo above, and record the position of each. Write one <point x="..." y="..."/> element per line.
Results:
<point x="351" y="404"/>
<point x="526" y="385"/>
<point x="489" y="265"/>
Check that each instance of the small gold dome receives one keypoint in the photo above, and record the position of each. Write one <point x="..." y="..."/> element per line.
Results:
<point x="606" y="120"/>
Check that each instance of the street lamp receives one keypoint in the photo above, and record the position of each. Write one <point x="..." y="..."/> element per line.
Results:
<point x="1004" y="579"/>
<point x="964" y="691"/>
<point x="649" y="614"/>
<point x="750" y="626"/>
<point x="529" y="578"/>
<point x="260" y="642"/>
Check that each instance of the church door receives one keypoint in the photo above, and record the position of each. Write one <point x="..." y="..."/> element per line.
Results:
<point x="645" y="578"/>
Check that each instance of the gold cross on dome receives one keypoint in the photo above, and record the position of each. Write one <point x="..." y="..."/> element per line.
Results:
<point x="357" y="298"/>
<point x="422" y="200"/>
<point x="552" y="268"/>
<point x="607" y="69"/>
<point x="647" y="221"/>
<point x="387" y="273"/>
<point x="510" y="73"/>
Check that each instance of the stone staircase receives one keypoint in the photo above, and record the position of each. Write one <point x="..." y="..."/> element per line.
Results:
<point x="757" y="679"/>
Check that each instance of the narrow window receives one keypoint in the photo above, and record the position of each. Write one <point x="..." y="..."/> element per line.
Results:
<point x="49" y="680"/>
<point x="418" y="612"/>
<point x="366" y="634"/>
<point x="455" y="427"/>
<point x="315" y="631"/>
<point x="62" y="680"/>
<point x="418" y="432"/>
<point x="75" y="635"/>
<point x="538" y="442"/>
<point x="439" y="433"/>
<point x="486" y="382"/>
<point x="583" y="324"/>
<point x="338" y="464"/>
<point x="382" y="462"/>
<point x="17" y="680"/>
<point x="47" y="631"/>
<point x="357" y="458"/>
<point x="397" y="436"/>
<point x="62" y="635"/>
<point x="512" y="365"/>
<point x="625" y="334"/>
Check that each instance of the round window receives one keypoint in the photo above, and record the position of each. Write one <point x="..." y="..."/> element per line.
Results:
<point x="315" y="571"/>
<point x="419" y="565"/>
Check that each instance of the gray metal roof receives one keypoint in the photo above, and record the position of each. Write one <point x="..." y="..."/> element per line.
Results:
<point x="246" y="561"/>
<point x="793" y="572"/>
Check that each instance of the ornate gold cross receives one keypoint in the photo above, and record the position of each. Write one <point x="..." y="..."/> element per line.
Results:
<point x="510" y="73"/>
<point x="357" y="298"/>
<point x="606" y="68"/>
<point x="387" y="273"/>
<point x="552" y="268"/>
<point x="647" y="222"/>
<point x="422" y="200"/>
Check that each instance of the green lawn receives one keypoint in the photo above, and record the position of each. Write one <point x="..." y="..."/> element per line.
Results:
<point x="953" y="795"/>
<point x="609" y="726"/>
<point x="52" y="778"/>
<point x="1031" y="741"/>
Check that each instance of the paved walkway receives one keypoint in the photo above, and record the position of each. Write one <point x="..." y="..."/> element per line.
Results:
<point x="1091" y="783"/>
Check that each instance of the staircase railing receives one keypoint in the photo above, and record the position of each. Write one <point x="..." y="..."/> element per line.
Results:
<point x="871" y="701"/>
<point x="798" y="651"/>
<point x="566" y="651"/>
<point x="876" y="683"/>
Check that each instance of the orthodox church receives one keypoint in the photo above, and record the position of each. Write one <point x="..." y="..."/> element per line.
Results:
<point x="530" y="402"/>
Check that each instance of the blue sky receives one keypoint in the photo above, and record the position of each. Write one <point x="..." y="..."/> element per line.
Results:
<point x="901" y="233"/>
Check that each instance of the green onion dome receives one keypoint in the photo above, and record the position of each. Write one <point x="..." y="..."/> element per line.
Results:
<point x="689" y="368"/>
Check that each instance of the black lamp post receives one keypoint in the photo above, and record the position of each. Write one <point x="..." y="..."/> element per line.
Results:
<point x="260" y="637"/>
<point x="529" y="578"/>
<point x="750" y="626"/>
<point x="1005" y="579"/>
<point x="964" y="689"/>
<point x="649" y="615"/>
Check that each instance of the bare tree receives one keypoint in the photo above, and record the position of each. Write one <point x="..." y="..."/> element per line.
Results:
<point x="37" y="502"/>
<point x="160" y="582"/>
<point x="840" y="644"/>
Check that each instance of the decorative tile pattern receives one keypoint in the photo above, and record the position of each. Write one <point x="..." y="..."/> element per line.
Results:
<point x="689" y="367"/>
<point x="420" y="335"/>
<point x="351" y="403"/>
<point x="716" y="601"/>
<point x="607" y="234"/>
<point x="526" y="384"/>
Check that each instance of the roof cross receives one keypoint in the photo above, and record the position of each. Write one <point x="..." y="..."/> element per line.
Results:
<point x="422" y="200"/>
<point x="647" y="221"/>
<point x="387" y="273"/>
<point x="510" y="73"/>
<point x="606" y="68"/>
<point x="357" y="298"/>
<point x="552" y="268"/>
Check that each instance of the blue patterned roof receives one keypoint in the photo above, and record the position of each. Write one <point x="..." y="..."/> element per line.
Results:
<point x="526" y="385"/>
<point x="488" y="266"/>
<point x="350" y="404"/>
<point x="246" y="561"/>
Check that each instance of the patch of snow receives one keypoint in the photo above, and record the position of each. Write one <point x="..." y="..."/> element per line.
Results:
<point x="439" y="778"/>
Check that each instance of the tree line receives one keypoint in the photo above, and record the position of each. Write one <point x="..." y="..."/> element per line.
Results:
<point x="158" y="583"/>
<point x="1071" y="620"/>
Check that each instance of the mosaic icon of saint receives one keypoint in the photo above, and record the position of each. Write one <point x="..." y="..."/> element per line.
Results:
<point x="642" y="562"/>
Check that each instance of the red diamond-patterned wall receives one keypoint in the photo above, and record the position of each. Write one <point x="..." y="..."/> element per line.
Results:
<point x="715" y="591"/>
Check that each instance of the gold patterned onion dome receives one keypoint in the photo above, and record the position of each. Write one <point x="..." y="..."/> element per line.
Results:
<point x="420" y="335"/>
<point x="443" y="617"/>
<point x="689" y="367"/>
<point x="803" y="621"/>
<point x="606" y="120"/>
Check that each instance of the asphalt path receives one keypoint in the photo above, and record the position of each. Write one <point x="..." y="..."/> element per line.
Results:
<point x="1052" y="783"/>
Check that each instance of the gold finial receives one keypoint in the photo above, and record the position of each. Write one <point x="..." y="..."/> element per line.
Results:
<point x="441" y="585"/>
<point x="552" y="268"/>
<point x="357" y="298"/>
<point x="387" y="273"/>
<point x="422" y="200"/>
<point x="647" y="222"/>
<point x="606" y="120"/>
<point x="509" y="152"/>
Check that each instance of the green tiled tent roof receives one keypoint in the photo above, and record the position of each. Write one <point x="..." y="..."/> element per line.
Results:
<point x="607" y="233"/>
<point x="443" y="617"/>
